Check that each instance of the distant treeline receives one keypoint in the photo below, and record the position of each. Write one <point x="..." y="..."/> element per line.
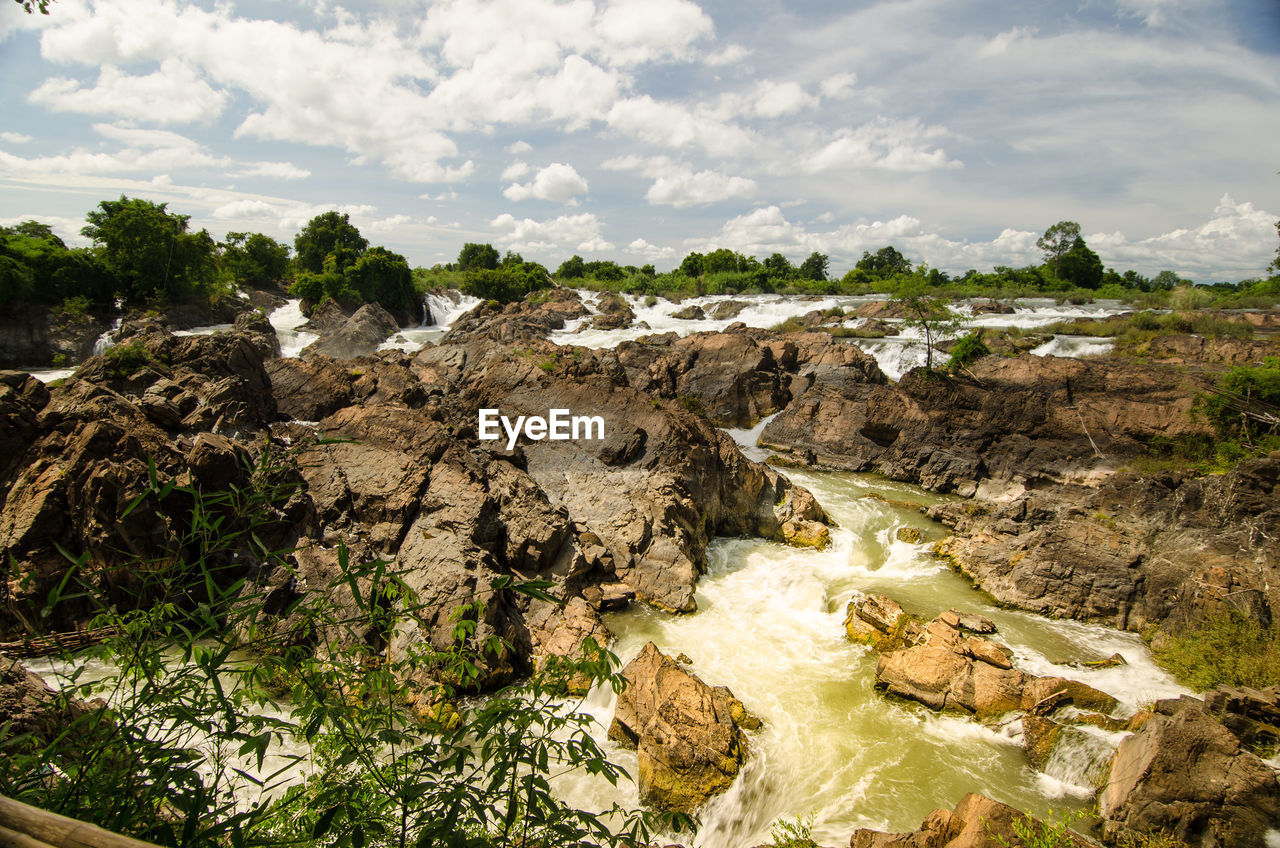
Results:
<point x="143" y="256"/>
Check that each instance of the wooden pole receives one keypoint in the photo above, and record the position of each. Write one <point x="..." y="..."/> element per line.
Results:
<point x="36" y="828"/>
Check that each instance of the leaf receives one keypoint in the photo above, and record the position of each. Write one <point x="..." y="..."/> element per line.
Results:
<point x="325" y="822"/>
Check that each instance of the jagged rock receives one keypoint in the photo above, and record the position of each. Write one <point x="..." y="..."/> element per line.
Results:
<point x="614" y="313"/>
<point x="976" y="822"/>
<point x="1039" y="737"/>
<point x="1188" y="775"/>
<point x="690" y="746"/>
<point x="29" y="706"/>
<point x="358" y="335"/>
<point x="879" y="621"/>
<point x="726" y="309"/>
<point x="910" y="535"/>
<point x="692" y="312"/>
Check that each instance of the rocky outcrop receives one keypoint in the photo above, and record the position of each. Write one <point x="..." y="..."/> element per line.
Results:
<point x="358" y="335"/>
<point x="34" y="335"/>
<point x="692" y="312"/>
<point x="728" y="309"/>
<point x="1133" y="551"/>
<point x="1013" y="424"/>
<point x="976" y="822"/>
<point x="614" y="313"/>
<point x="29" y="707"/>
<point x="1206" y="350"/>
<point x="950" y="663"/>
<point x="738" y="377"/>
<point x="688" y="736"/>
<point x="535" y="317"/>
<point x="1188" y="776"/>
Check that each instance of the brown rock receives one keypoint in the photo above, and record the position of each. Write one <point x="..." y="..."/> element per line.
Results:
<point x="1188" y="775"/>
<point x="690" y="747"/>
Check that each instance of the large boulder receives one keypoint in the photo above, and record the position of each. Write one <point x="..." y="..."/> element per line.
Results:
<point x="1187" y="775"/>
<point x="976" y="822"/>
<point x="358" y="335"/>
<point x="688" y="735"/>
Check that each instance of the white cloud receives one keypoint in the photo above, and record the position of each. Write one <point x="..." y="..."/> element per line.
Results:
<point x="580" y="233"/>
<point x="775" y="99"/>
<point x="390" y="224"/>
<point x="15" y="138"/>
<point x="275" y="170"/>
<point x="681" y="187"/>
<point x="238" y="209"/>
<point x="652" y="252"/>
<point x="730" y="55"/>
<point x="558" y="182"/>
<point x="838" y="85"/>
<point x="515" y="170"/>
<point x="518" y="147"/>
<point x="1001" y="43"/>
<point x="886" y="145"/>
<point x="144" y="151"/>
<point x="669" y="124"/>
<point x="640" y="31"/>
<point x="173" y="94"/>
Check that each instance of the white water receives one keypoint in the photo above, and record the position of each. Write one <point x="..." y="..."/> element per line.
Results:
<point x="204" y="330"/>
<point x="1077" y="347"/>
<point x="770" y="625"/>
<point x="286" y="320"/>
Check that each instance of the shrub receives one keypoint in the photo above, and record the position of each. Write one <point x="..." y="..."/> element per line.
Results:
<point x="1225" y="647"/>
<point x="124" y="360"/>
<point x="968" y="349"/>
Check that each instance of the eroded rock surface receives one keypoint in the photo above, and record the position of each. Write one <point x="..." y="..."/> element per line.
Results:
<point x="688" y="735"/>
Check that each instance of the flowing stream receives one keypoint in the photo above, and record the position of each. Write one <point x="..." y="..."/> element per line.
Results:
<point x="770" y="625"/>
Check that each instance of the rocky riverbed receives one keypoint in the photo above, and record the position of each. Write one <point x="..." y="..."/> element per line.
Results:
<point x="1032" y="453"/>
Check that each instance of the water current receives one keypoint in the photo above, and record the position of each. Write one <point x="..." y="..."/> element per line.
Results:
<point x="770" y="625"/>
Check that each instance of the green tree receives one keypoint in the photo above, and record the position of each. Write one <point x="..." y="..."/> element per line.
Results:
<point x="1166" y="281"/>
<point x="1080" y="266"/>
<point x="33" y="5"/>
<point x="779" y="266"/>
<point x="1274" y="267"/>
<point x="1057" y="241"/>
<point x="476" y="257"/>
<point x="254" y="259"/>
<point x="380" y="276"/>
<point x="814" y="267"/>
<point x="926" y="312"/>
<point x="330" y="233"/>
<point x="573" y="268"/>
<point x="884" y="264"/>
<point x="150" y="251"/>
<point x="691" y="265"/>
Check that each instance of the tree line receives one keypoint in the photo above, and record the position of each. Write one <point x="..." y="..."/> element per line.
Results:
<point x="142" y="255"/>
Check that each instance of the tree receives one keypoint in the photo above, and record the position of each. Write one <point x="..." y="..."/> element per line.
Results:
<point x="884" y="264"/>
<point x="926" y="312"/>
<point x="1274" y="267"/>
<point x="330" y="233"/>
<point x="1057" y="241"/>
<point x="1165" y="281"/>
<point x="254" y="259"/>
<point x="475" y="257"/>
<point x="692" y="265"/>
<point x="34" y="5"/>
<point x="572" y="268"/>
<point x="814" y="267"/>
<point x="1080" y="266"/>
<point x="380" y="276"/>
<point x="150" y="251"/>
<point x="779" y="266"/>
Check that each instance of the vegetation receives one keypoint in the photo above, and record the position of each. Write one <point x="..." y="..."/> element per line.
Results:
<point x="968" y="349"/>
<point x="928" y="313"/>
<point x="793" y="834"/>
<point x="1245" y="402"/>
<point x="508" y="281"/>
<point x="1054" y="833"/>
<point x="185" y="749"/>
<point x="335" y="261"/>
<point x="1225" y="647"/>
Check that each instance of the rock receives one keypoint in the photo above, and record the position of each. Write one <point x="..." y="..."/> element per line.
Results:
<point x="727" y="309"/>
<point x="976" y="822"/>
<point x="28" y="706"/>
<point x="1080" y="695"/>
<point x="356" y="336"/>
<point x="691" y="312"/>
<point x="614" y="313"/>
<point x="689" y="745"/>
<point x="1039" y="737"/>
<point x="1188" y="775"/>
<point x="880" y="622"/>
<point x="910" y="535"/>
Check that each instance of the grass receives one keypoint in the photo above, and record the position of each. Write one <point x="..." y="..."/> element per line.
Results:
<point x="1226" y="648"/>
<point x="1201" y="454"/>
<point x="1148" y="325"/>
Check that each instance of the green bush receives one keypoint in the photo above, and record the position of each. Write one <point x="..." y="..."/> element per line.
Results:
<point x="1225" y="647"/>
<point x="1243" y="390"/>
<point x="968" y="349"/>
<point x="124" y="360"/>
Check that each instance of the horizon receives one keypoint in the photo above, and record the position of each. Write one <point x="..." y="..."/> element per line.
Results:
<point x="643" y="131"/>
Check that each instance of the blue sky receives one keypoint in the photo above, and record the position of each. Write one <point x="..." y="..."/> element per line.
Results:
<point x="639" y="130"/>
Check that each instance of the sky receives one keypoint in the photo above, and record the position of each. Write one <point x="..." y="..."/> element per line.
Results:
<point x="642" y="130"/>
